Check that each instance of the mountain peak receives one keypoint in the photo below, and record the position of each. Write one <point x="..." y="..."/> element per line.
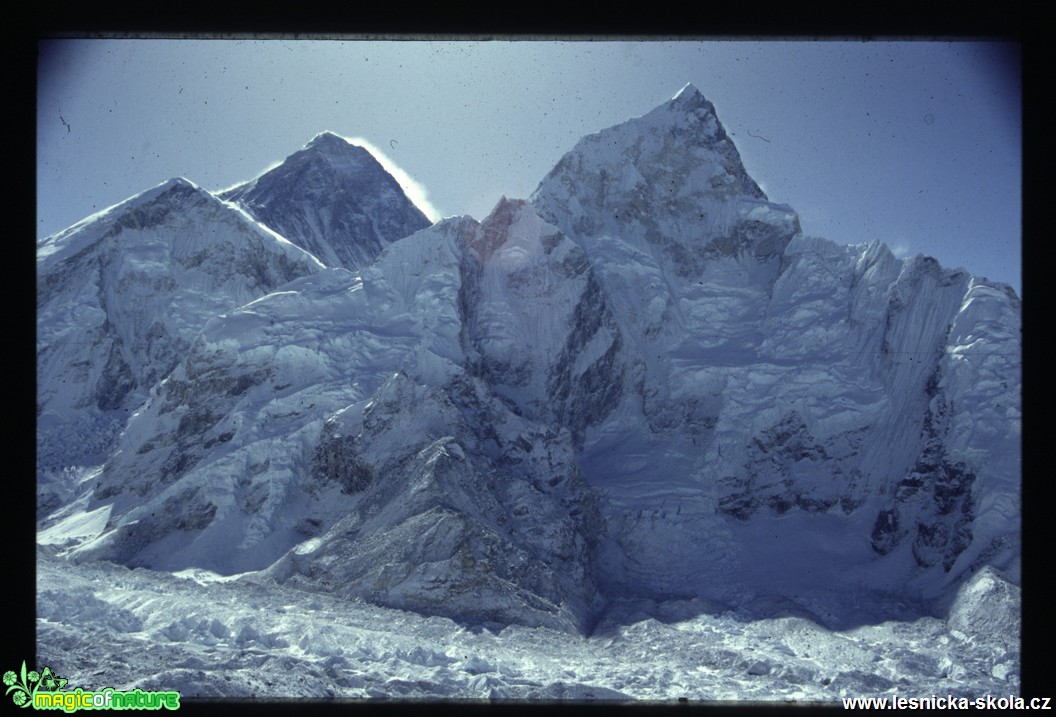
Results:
<point x="177" y="182"/>
<point x="691" y="108"/>
<point x="179" y="186"/>
<point x="327" y="140"/>
<point x="677" y="154"/>
<point x="688" y="90"/>
<point x="337" y="152"/>
<point x="333" y="199"/>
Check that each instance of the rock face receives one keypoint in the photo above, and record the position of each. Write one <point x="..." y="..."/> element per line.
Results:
<point x="643" y="381"/>
<point x="453" y="516"/>
<point x="333" y="199"/>
<point x="537" y="327"/>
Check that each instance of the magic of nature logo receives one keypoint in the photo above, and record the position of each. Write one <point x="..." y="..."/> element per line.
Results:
<point x="44" y="690"/>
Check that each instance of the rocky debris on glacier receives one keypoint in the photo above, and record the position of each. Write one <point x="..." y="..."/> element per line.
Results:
<point x="210" y="637"/>
<point x="644" y="382"/>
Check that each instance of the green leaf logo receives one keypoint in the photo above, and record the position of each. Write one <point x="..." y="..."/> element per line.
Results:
<point x="26" y="684"/>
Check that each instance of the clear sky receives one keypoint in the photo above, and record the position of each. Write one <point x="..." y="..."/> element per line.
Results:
<point x="916" y="143"/>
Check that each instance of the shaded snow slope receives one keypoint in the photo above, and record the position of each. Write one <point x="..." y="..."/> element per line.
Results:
<point x="537" y="327"/>
<point x="120" y="297"/>
<point x="790" y="426"/>
<point x="463" y="509"/>
<point x="335" y="200"/>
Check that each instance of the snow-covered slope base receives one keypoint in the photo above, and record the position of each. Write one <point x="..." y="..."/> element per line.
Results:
<point x="108" y="625"/>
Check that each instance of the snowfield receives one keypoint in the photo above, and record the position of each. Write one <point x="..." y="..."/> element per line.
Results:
<point x="241" y="637"/>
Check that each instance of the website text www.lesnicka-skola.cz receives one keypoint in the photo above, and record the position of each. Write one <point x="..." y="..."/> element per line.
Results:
<point x="948" y="702"/>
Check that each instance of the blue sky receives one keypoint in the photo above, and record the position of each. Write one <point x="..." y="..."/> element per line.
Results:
<point x="915" y="143"/>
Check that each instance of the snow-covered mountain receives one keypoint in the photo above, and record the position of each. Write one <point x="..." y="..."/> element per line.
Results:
<point x="644" y="382"/>
<point x="856" y="416"/>
<point x="122" y="294"/>
<point x="333" y="199"/>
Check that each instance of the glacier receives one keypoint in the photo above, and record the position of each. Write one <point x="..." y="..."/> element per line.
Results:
<point x="641" y="403"/>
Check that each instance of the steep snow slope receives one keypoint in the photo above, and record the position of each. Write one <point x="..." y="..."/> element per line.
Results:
<point x="241" y="414"/>
<point x="122" y="294"/>
<point x="333" y="199"/>
<point x="486" y="526"/>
